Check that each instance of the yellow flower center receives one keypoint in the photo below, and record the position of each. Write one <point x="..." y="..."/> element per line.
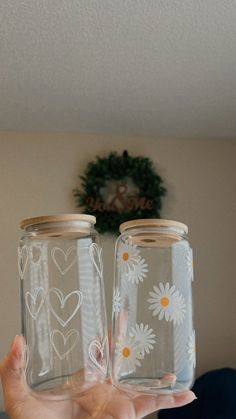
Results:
<point x="126" y="352"/>
<point x="165" y="301"/>
<point x="125" y="256"/>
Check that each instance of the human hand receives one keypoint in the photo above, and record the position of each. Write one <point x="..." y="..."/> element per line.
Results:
<point x="103" y="401"/>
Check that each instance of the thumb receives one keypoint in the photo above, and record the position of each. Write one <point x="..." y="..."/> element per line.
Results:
<point x="144" y="405"/>
<point x="13" y="375"/>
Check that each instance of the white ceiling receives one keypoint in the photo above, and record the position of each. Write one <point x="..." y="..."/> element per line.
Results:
<point x="143" y="67"/>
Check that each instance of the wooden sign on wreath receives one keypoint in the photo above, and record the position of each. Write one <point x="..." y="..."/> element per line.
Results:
<point x="120" y="188"/>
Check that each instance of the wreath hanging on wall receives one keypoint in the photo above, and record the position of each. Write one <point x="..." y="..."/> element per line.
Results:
<point x="119" y="188"/>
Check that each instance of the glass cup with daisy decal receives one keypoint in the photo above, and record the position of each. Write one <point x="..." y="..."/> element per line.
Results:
<point x="62" y="304"/>
<point x="153" y="337"/>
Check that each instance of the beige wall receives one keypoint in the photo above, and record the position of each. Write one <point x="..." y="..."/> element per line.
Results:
<point x="39" y="171"/>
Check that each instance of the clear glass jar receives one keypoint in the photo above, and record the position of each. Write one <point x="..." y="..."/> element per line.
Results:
<point x="63" y="305"/>
<point x="153" y="336"/>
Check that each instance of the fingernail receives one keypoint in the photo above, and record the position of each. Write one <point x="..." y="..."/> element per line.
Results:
<point x="14" y="342"/>
<point x="17" y="346"/>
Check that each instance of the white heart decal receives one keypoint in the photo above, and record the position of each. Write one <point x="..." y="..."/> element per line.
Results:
<point x="36" y="253"/>
<point x="97" y="352"/>
<point x="22" y="260"/>
<point x="64" y="260"/>
<point x="58" y="340"/>
<point x="96" y="256"/>
<point x="63" y="300"/>
<point x="35" y="302"/>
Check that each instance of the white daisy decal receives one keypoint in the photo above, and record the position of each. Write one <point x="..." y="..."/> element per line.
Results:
<point x="144" y="337"/>
<point x="138" y="273"/>
<point x="130" y="264"/>
<point x="127" y="355"/>
<point x="191" y="349"/>
<point x="116" y="306"/>
<point x="127" y="257"/>
<point x="167" y="303"/>
<point x="189" y="263"/>
<point x="179" y="309"/>
<point x="183" y="261"/>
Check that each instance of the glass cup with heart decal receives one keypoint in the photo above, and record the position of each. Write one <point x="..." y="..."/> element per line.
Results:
<point x="63" y="305"/>
<point x="153" y="336"/>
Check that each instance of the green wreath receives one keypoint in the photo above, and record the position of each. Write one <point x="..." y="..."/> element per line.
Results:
<point x="118" y="168"/>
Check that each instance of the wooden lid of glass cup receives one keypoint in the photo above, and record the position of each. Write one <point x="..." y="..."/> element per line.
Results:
<point x="156" y="232"/>
<point x="59" y="225"/>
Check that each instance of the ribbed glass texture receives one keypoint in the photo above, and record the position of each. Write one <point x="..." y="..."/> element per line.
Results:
<point x="63" y="307"/>
<point x="153" y="338"/>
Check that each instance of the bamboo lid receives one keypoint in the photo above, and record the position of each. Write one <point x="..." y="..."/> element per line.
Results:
<point x="57" y="218"/>
<point x="155" y="222"/>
